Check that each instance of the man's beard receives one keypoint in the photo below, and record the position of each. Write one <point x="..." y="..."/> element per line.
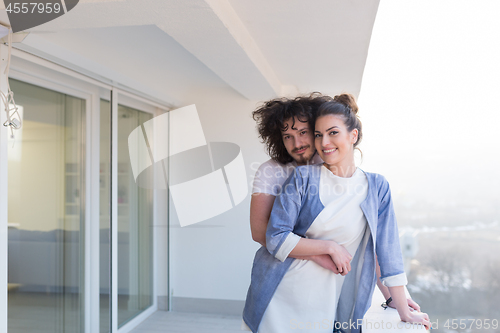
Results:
<point x="302" y="158"/>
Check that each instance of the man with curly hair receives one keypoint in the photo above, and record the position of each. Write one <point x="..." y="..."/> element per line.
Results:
<point x="286" y="126"/>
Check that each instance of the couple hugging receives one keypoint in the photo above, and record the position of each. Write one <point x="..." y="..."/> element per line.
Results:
<point x="327" y="228"/>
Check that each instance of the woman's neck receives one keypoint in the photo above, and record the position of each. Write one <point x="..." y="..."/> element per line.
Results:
<point x="345" y="170"/>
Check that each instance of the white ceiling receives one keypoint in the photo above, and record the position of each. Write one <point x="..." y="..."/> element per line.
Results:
<point x="313" y="45"/>
<point x="260" y="48"/>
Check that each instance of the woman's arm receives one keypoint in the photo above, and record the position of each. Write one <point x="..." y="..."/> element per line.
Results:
<point x="385" y="291"/>
<point x="261" y="205"/>
<point x="281" y="241"/>
<point x="339" y="254"/>
<point x="390" y="258"/>
<point x="399" y="299"/>
<point x="380" y="285"/>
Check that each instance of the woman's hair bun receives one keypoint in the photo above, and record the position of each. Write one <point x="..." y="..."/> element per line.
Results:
<point x="348" y="100"/>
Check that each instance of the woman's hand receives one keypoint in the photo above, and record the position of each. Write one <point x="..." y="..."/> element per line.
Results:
<point x="307" y="247"/>
<point x="325" y="261"/>
<point x="341" y="257"/>
<point x="418" y="318"/>
<point x="411" y="304"/>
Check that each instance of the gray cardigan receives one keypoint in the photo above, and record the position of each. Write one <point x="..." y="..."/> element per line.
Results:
<point x="294" y="210"/>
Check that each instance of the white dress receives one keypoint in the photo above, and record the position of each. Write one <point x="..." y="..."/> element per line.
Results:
<point x="307" y="296"/>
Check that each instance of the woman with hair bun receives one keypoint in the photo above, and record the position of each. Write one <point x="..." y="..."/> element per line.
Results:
<point x="319" y="205"/>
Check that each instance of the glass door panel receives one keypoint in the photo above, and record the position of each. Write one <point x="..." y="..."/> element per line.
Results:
<point x="46" y="212"/>
<point x="104" y="216"/>
<point x="135" y="220"/>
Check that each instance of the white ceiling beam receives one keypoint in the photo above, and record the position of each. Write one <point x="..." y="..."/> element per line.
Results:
<point x="213" y="33"/>
<point x="236" y="28"/>
<point x="209" y="29"/>
<point x="256" y="47"/>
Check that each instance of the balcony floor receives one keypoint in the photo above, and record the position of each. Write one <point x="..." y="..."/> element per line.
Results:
<point x="183" y="322"/>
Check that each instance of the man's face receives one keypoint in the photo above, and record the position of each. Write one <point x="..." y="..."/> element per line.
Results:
<point x="299" y="140"/>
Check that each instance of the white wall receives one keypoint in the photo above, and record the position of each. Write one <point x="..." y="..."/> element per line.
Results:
<point x="213" y="259"/>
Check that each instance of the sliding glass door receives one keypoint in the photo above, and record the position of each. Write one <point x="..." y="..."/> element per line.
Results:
<point x="46" y="212"/>
<point x="104" y="216"/>
<point x="135" y="222"/>
<point x="68" y="167"/>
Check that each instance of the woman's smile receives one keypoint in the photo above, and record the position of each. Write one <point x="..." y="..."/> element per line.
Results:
<point x="329" y="151"/>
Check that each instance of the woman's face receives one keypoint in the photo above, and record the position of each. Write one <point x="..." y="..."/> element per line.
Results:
<point x="334" y="142"/>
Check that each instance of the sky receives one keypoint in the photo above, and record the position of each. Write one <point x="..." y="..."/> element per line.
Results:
<point x="429" y="100"/>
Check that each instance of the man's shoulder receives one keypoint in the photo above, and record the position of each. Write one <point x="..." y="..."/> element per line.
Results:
<point x="270" y="176"/>
<point x="271" y="163"/>
<point x="272" y="167"/>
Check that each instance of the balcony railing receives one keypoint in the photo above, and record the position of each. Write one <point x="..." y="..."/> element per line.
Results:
<point x="378" y="320"/>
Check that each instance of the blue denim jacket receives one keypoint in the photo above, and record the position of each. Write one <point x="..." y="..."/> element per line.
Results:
<point x="294" y="211"/>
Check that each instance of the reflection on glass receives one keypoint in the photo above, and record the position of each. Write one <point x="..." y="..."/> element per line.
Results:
<point x="104" y="214"/>
<point x="135" y="217"/>
<point x="46" y="213"/>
